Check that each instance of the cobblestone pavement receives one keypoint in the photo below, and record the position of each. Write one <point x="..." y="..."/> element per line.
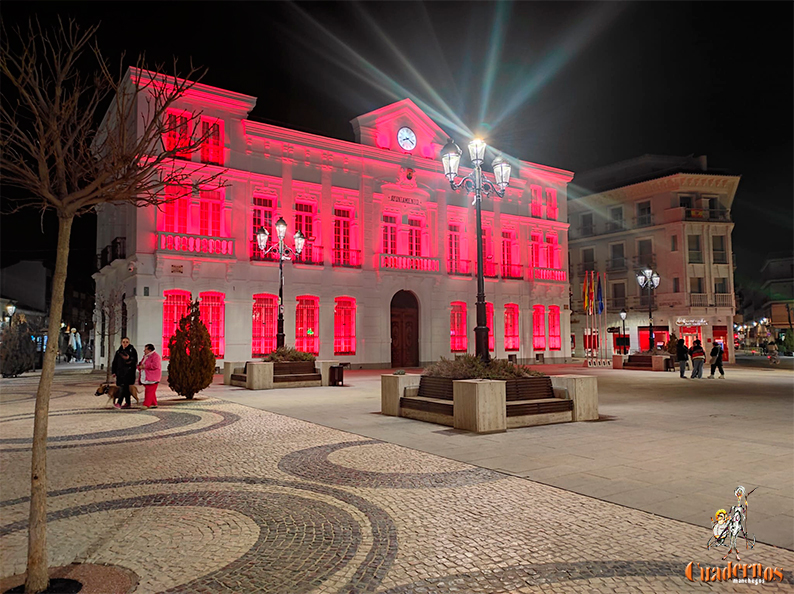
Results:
<point x="210" y="496"/>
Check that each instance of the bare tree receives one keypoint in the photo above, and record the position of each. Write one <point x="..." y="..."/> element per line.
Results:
<point x="54" y="146"/>
<point x="107" y="305"/>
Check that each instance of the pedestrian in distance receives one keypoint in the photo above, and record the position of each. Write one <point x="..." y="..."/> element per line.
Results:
<point x="151" y="372"/>
<point x="716" y="360"/>
<point x="698" y="359"/>
<point x="124" y="364"/>
<point x="774" y="356"/>
<point x="681" y="356"/>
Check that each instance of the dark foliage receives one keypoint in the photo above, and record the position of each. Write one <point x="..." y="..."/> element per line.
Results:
<point x="17" y="351"/>
<point x="471" y="367"/>
<point x="192" y="362"/>
<point x="286" y="353"/>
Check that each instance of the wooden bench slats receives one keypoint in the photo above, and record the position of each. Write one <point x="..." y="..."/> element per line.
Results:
<point x="297" y="377"/>
<point x="433" y="405"/>
<point x="546" y="405"/>
<point x="293" y="368"/>
<point x="238" y="377"/>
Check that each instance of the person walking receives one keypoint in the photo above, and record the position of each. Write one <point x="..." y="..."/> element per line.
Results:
<point x="682" y="356"/>
<point x="698" y="359"/>
<point x="774" y="357"/>
<point x="716" y="360"/>
<point x="124" y="363"/>
<point x="151" y="372"/>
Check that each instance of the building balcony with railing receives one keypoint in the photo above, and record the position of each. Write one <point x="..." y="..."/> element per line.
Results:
<point x="412" y="263"/>
<point x="115" y="250"/>
<point x="695" y="257"/>
<point x="614" y="226"/>
<point x="512" y="271"/>
<point x="587" y="231"/>
<point x="188" y="243"/>
<point x="644" y="220"/>
<point x="617" y="264"/>
<point x="720" y="257"/>
<point x="704" y="214"/>
<point x="724" y="300"/>
<point x="311" y="255"/>
<point x="459" y="267"/>
<point x="698" y="300"/>
<point x="346" y="259"/>
<point x="644" y="261"/>
<point x="489" y="269"/>
<point x="549" y="274"/>
<point x="583" y="267"/>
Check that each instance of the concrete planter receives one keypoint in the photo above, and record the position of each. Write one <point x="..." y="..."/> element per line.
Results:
<point x="583" y="390"/>
<point x="228" y="370"/>
<point x="324" y="368"/>
<point x="480" y="405"/>
<point x="392" y="388"/>
<point x="617" y="361"/>
<point x="259" y="376"/>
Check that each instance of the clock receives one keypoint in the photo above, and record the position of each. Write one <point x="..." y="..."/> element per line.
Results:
<point x="406" y="139"/>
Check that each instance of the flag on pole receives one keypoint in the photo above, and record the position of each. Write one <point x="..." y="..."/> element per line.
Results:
<point x="585" y="293"/>
<point x="591" y="291"/>
<point x="600" y="296"/>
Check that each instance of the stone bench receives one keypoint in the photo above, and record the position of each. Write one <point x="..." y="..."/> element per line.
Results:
<point x="266" y="375"/>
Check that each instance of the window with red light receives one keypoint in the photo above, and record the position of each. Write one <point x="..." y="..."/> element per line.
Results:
<point x="414" y="237"/>
<point x="508" y="239"/>
<point x="342" y="254"/>
<point x="263" y="331"/>
<point x="210" y="204"/>
<point x="453" y="248"/>
<point x="212" y="147"/>
<point x="555" y="338"/>
<point x="552" y="251"/>
<point x="213" y="314"/>
<point x="551" y="204"/>
<point x="304" y="222"/>
<point x="538" y="254"/>
<point x="458" y="342"/>
<point x="389" y="234"/>
<point x="536" y="205"/>
<point x="539" y="328"/>
<point x="175" y="209"/>
<point x="345" y="326"/>
<point x="177" y="133"/>
<point x="511" y="327"/>
<point x="307" y="324"/>
<point x="261" y="216"/>
<point x="175" y="307"/>
<point x="489" y="323"/>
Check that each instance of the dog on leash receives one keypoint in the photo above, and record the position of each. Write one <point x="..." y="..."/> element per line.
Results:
<point x="113" y="392"/>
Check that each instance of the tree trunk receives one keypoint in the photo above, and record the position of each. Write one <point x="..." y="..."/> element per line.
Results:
<point x="38" y="572"/>
<point x="110" y="306"/>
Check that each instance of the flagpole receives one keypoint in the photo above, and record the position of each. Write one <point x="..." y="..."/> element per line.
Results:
<point x="606" y="312"/>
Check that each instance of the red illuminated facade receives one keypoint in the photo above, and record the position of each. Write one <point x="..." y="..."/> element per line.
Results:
<point x="387" y="274"/>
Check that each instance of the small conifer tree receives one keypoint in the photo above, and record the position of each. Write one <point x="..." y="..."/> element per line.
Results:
<point x="18" y="350"/>
<point x="192" y="362"/>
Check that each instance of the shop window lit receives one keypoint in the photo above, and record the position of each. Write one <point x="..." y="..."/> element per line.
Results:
<point x="263" y="330"/>
<point x="511" y="327"/>
<point x="307" y="324"/>
<point x="539" y="328"/>
<point x="175" y="307"/>
<point x="458" y="337"/>
<point x="345" y="326"/>
<point x="213" y="314"/>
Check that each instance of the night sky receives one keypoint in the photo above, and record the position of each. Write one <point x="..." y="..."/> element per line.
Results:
<point x="572" y="85"/>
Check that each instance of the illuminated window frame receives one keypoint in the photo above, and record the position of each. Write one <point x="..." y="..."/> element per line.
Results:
<point x="489" y="323"/>
<point x="539" y="328"/>
<point x="176" y="305"/>
<point x="307" y="324"/>
<point x="345" y="326"/>
<point x="265" y="324"/>
<point x="512" y="339"/>
<point x="212" y="147"/>
<point x="555" y="337"/>
<point x="213" y="313"/>
<point x="458" y="336"/>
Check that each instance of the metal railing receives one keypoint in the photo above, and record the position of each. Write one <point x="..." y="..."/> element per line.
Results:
<point x="644" y="220"/>
<point x="705" y="214"/>
<point x="512" y="271"/>
<point x="115" y="250"/>
<point x="311" y="255"/>
<point x="618" y="303"/>
<point x="195" y="244"/>
<point x="644" y="261"/>
<point x="347" y="258"/>
<point x="615" y="264"/>
<point x="695" y="257"/>
<point x="720" y="257"/>
<point x="616" y="225"/>
<point x="415" y="263"/>
<point x="583" y="267"/>
<point x="489" y="269"/>
<point x="698" y="300"/>
<point x="459" y="267"/>
<point x="587" y="231"/>
<point x="723" y="300"/>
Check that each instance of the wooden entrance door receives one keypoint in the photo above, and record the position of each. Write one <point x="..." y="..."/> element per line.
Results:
<point x="404" y="330"/>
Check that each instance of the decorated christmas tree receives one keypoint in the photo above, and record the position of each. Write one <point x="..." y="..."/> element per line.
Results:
<point x="17" y="351"/>
<point x="192" y="362"/>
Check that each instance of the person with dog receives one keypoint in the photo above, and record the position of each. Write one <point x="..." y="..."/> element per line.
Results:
<point x="124" y="364"/>
<point x="151" y="372"/>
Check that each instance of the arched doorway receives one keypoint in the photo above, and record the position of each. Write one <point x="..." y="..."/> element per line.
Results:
<point x="404" y="330"/>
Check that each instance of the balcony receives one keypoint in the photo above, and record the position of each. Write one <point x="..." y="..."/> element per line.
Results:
<point x="218" y="247"/>
<point x="643" y="220"/>
<point x="723" y="300"/>
<point x="459" y="267"/>
<point x="695" y="257"/>
<point x="413" y="263"/>
<point x="644" y="302"/>
<point x="549" y="274"/>
<point x="587" y="231"/>
<point x="489" y="269"/>
<point x="116" y="250"/>
<point x="617" y="303"/>
<point x="583" y="267"/>
<point x="513" y="271"/>
<point x="720" y="257"/>
<point x="617" y="264"/>
<point x="698" y="300"/>
<point x="311" y="255"/>
<point x="702" y="214"/>
<point x="616" y="225"/>
<point x="347" y="259"/>
<point x="644" y="261"/>
<point x="258" y="255"/>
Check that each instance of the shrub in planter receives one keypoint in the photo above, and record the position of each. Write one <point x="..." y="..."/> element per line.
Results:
<point x="192" y="362"/>
<point x="285" y="353"/>
<point x="471" y="367"/>
<point x="17" y="350"/>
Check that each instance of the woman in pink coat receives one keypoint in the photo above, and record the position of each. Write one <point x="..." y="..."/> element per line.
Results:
<point x="151" y="372"/>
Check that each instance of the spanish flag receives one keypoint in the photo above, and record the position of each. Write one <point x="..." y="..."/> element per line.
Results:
<point x="586" y="293"/>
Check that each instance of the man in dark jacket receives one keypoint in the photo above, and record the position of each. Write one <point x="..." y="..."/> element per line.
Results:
<point x="682" y="356"/>
<point x="124" y="364"/>
<point x="698" y="359"/>
<point x="716" y="360"/>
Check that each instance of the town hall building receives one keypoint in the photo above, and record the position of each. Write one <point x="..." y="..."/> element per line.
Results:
<point x="387" y="277"/>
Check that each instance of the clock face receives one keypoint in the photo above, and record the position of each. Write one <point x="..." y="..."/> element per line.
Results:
<point x="406" y="139"/>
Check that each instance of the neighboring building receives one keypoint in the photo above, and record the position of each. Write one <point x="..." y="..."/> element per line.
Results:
<point x="387" y="277"/>
<point x="27" y="284"/>
<point x="769" y="312"/>
<point x="671" y="214"/>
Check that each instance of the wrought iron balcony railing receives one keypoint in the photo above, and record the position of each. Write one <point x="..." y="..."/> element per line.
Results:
<point x="489" y="269"/>
<point x="459" y="267"/>
<point x="644" y="261"/>
<point x="617" y="264"/>
<point x="583" y="267"/>
<point x="723" y="300"/>
<point x="720" y="257"/>
<point x="347" y="258"/>
<point x="311" y="255"/>
<point x="704" y="214"/>
<point x="695" y="257"/>
<point x="512" y="271"/>
<point x="644" y="220"/>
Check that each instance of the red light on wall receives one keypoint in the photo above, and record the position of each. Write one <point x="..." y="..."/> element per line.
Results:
<point x="263" y="331"/>
<point x="539" y="328"/>
<point x="555" y="339"/>
<point x="213" y="314"/>
<point x="511" y="327"/>
<point x="428" y="151"/>
<point x="489" y="322"/>
<point x="458" y="339"/>
<point x="176" y="305"/>
<point x="307" y="324"/>
<point x="345" y="326"/>
<point x="383" y="140"/>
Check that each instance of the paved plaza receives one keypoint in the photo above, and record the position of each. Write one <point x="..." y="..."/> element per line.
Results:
<point x="214" y="495"/>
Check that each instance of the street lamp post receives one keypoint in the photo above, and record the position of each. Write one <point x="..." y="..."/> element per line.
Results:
<point x="284" y="253"/>
<point x="623" y="336"/>
<point x="649" y="278"/>
<point x="476" y="182"/>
